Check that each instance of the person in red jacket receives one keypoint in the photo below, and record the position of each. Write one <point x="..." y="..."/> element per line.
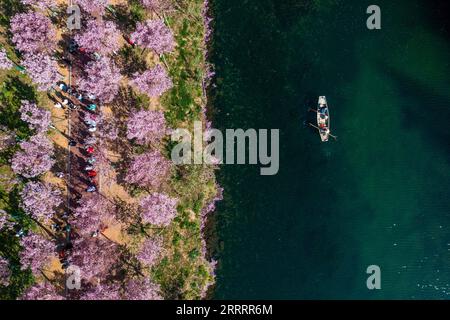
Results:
<point x="90" y="150"/>
<point x="92" y="173"/>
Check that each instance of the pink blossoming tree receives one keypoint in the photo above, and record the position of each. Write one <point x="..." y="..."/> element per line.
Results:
<point x="4" y="220"/>
<point x="94" y="7"/>
<point x="42" y="69"/>
<point x="37" y="252"/>
<point x="142" y="289"/>
<point x="35" y="157"/>
<point x="102" y="291"/>
<point x="5" y="272"/>
<point x="153" y="82"/>
<point x="102" y="79"/>
<point x="33" y="32"/>
<point x="150" y="169"/>
<point x="107" y="129"/>
<point x="146" y="126"/>
<point x="154" y="35"/>
<point x="158" y="6"/>
<point x="37" y="118"/>
<point x="42" y="291"/>
<point x="95" y="257"/>
<point x="41" y="4"/>
<point x="5" y="63"/>
<point x="99" y="36"/>
<point x="150" y="251"/>
<point x="39" y="200"/>
<point x="92" y="212"/>
<point x="158" y="209"/>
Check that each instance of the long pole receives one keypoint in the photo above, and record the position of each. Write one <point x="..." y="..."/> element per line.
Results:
<point x="316" y="127"/>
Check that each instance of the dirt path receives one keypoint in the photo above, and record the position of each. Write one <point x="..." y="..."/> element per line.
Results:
<point x="70" y="125"/>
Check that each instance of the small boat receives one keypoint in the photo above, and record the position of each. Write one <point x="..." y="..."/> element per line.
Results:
<point x="323" y="119"/>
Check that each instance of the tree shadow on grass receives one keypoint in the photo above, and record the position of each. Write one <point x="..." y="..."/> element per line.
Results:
<point x="61" y="156"/>
<point x="127" y="16"/>
<point x="12" y="92"/>
<point x="8" y="8"/>
<point x="130" y="60"/>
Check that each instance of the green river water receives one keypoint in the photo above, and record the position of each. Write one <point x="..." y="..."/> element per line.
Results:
<point x="377" y="196"/>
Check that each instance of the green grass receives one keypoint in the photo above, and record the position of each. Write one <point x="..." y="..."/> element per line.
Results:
<point x="184" y="271"/>
<point x="14" y="87"/>
<point x="12" y="91"/>
<point x="183" y="103"/>
<point x="9" y="243"/>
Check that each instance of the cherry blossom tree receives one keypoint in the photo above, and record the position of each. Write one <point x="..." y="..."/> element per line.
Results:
<point x="4" y="220"/>
<point x="102" y="79"/>
<point x="42" y="291"/>
<point x="94" y="7"/>
<point x="153" y="82"/>
<point x="94" y="256"/>
<point x="42" y="69"/>
<point x="142" y="289"/>
<point x="150" y="251"/>
<point x="37" y="118"/>
<point x="99" y="36"/>
<point x="39" y="200"/>
<point x="41" y="4"/>
<point x="102" y="291"/>
<point x="150" y="169"/>
<point x="158" y="209"/>
<point x="5" y="272"/>
<point x="37" y="252"/>
<point x="5" y="63"/>
<point x="211" y="206"/>
<point x="107" y="128"/>
<point x="92" y="212"/>
<point x="154" y="35"/>
<point x="35" y="158"/>
<point x="33" y="32"/>
<point x="146" y="126"/>
<point x="157" y="5"/>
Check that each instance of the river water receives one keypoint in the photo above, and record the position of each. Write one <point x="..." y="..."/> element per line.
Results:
<point x="379" y="195"/>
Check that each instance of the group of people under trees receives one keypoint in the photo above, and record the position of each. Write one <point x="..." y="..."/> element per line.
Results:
<point x="68" y="96"/>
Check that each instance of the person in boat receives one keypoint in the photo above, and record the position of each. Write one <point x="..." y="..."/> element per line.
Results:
<point x="323" y="110"/>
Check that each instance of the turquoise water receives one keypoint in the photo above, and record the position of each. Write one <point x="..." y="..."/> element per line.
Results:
<point x="377" y="196"/>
